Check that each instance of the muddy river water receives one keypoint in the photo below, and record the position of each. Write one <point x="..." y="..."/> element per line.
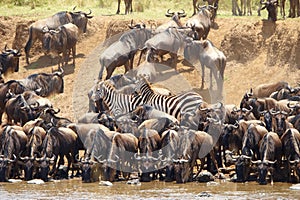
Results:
<point x="75" y="189"/>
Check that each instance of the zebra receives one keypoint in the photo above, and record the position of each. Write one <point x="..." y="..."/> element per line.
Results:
<point x="174" y="105"/>
<point x="117" y="103"/>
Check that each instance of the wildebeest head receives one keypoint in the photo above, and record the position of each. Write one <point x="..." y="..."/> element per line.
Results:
<point x="176" y="16"/>
<point x="262" y="168"/>
<point x="58" y="80"/>
<point x="80" y="19"/>
<point x="271" y="6"/>
<point x="242" y="168"/>
<point x="9" y="59"/>
<point x="44" y="165"/>
<point x="279" y="122"/>
<point x="87" y="167"/>
<point x="28" y="167"/>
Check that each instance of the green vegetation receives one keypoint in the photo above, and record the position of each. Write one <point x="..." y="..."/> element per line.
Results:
<point x="143" y="9"/>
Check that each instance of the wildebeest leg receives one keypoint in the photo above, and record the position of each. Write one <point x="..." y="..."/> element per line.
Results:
<point x="74" y="54"/>
<point x="28" y="45"/>
<point x="54" y="166"/>
<point x="118" y="11"/>
<point x="109" y="71"/>
<point x="259" y="9"/>
<point x="282" y="11"/>
<point x="203" y="71"/>
<point x="249" y="7"/>
<point x="174" y="59"/>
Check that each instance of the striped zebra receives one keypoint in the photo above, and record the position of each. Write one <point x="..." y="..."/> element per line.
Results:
<point x="174" y="105"/>
<point x="117" y="103"/>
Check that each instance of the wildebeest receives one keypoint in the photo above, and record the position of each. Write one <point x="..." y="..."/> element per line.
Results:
<point x="12" y="86"/>
<point x="192" y="145"/>
<point x="265" y="90"/>
<point x="59" y="142"/>
<point x="78" y="18"/>
<point x="174" y="22"/>
<point x="201" y="22"/>
<point x="291" y="151"/>
<point x="279" y="122"/>
<point x="271" y="6"/>
<point x="149" y="145"/>
<point x="128" y="6"/>
<point x="13" y="146"/>
<point x="62" y="40"/>
<point x="169" y="146"/>
<point x="205" y="53"/>
<point x="18" y="110"/>
<point x="121" y="155"/>
<point x="250" y="150"/>
<point x="270" y="149"/>
<point x="170" y="41"/>
<point x="36" y="136"/>
<point x="45" y="83"/>
<point x="122" y="52"/>
<point x="9" y="60"/>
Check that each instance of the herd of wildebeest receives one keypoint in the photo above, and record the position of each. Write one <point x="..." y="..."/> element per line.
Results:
<point x="133" y="126"/>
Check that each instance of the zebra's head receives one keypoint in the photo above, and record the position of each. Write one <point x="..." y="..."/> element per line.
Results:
<point x="98" y="91"/>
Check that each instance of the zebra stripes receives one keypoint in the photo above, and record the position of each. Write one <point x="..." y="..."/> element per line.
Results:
<point x="117" y="103"/>
<point x="174" y="105"/>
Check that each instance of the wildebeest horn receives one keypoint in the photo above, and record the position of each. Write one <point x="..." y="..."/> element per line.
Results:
<point x="5" y="47"/>
<point x="247" y="110"/>
<point x="182" y="13"/>
<point x="169" y="14"/>
<point x="90" y="12"/>
<point x="246" y="157"/>
<point x="77" y="158"/>
<point x="24" y="158"/>
<point x="36" y="105"/>
<point x="256" y="162"/>
<point x="295" y="161"/>
<point x="212" y="7"/>
<point x="114" y="161"/>
<point x="45" y="29"/>
<point x="200" y="7"/>
<point x="14" y="160"/>
<point x="289" y="105"/>
<point x="137" y="157"/>
<point x="270" y="162"/>
<point x="273" y="112"/>
<point x="74" y="8"/>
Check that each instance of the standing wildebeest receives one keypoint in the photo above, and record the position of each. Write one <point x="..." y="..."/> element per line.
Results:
<point x="271" y="6"/>
<point x="122" y="52"/>
<point x="120" y="156"/>
<point x="62" y="40"/>
<point x="291" y="151"/>
<point x="9" y="60"/>
<point x="201" y="21"/>
<point x="13" y="145"/>
<point x="209" y="56"/>
<point x="192" y="145"/>
<point x="78" y="18"/>
<point x="270" y="149"/>
<point x="170" y="41"/>
<point x="173" y="22"/>
<point x="36" y="136"/>
<point x="149" y="145"/>
<point x="59" y="142"/>
<point x="46" y="84"/>
<point x="128" y="6"/>
<point x="169" y="146"/>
